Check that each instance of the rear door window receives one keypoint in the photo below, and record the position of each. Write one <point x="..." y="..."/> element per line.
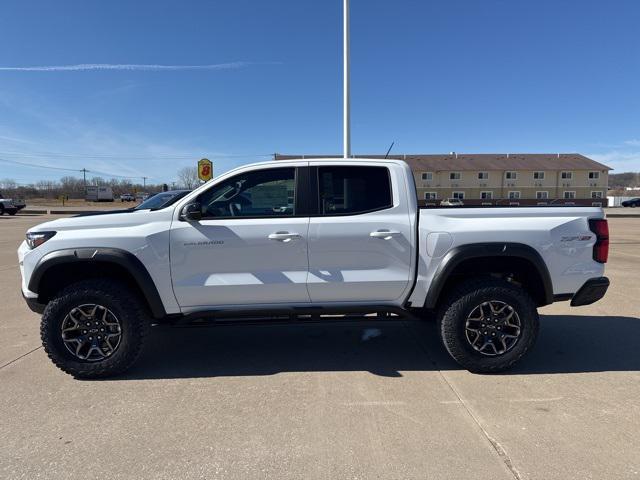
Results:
<point x="351" y="190"/>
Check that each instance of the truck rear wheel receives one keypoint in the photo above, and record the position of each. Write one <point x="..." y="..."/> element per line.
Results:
<point x="94" y="329"/>
<point x="488" y="324"/>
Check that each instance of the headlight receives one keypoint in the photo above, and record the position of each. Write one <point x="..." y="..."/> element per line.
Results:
<point x="36" y="239"/>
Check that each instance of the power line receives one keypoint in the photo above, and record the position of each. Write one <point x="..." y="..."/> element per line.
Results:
<point x="96" y="172"/>
<point x="25" y="164"/>
<point x="78" y="170"/>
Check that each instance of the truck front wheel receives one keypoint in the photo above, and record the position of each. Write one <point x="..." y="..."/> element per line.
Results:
<point x="94" y="329"/>
<point x="488" y="324"/>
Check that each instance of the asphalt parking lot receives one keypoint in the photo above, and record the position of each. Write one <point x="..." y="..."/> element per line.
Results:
<point x="320" y="401"/>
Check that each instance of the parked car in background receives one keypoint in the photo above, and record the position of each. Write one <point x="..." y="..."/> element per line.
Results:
<point x="634" y="202"/>
<point x="452" y="202"/>
<point x="156" y="201"/>
<point x="127" y="197"/>
<point x="99" y="194"/>
<point x="10" y="205"/>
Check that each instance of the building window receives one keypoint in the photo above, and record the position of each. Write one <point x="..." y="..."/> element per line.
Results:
<point x="458" y="195"/>
<point x="594" y="175"/>
<point x="454" y="176"/>
<point x="542" y="195"/>
<point x="511" y="175"/>
<point x="427" y="176"/>
<point x="486" y="195"/>
<point x="538" y="175"/>
<point x="430" y="195"/>
<point x="569" y="195"/>
<point x="483" y="175"/>
<point x="566" y="175"/>
<point x="514" y="195"/>
<point x="596" y="194"/>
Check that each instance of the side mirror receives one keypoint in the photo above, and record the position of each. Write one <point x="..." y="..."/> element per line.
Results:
<point x="191" y="212"/>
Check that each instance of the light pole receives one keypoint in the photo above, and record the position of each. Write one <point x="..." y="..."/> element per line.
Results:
<point x="346" y="106"/>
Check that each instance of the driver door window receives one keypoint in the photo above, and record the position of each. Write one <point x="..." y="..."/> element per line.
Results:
<point x="257" y="194"/>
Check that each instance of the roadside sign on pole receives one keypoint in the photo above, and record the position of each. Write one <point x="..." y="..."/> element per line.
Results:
<point x="205" y="169"/>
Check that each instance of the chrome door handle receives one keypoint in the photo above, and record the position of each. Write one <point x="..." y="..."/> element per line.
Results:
<point x="284" y="236"/>
<point x="384" y="234"/>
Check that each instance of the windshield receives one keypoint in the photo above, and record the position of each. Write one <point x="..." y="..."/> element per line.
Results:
<point x="161" y="200"/>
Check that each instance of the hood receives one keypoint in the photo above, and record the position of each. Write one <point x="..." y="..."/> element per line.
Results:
<point x="103" y="212"/>
<point x="109" y="219"/>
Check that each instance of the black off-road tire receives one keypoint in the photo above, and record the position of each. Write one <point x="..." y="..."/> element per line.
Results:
<point x="1" y="209"/>
<point x="461" y="303"/>
<point x="13" y="212"/>
<point x="126" y="306"/>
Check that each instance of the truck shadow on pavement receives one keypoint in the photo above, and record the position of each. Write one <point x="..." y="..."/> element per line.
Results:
<point x="567" y="344"/>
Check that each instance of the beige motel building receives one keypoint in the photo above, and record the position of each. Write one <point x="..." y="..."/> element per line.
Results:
<point x="504" y="179"/>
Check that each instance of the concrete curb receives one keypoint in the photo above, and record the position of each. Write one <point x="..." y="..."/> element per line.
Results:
<point x="33" y="212"/>
<point x="53" y="211"/>
<point x="71" y="212"/>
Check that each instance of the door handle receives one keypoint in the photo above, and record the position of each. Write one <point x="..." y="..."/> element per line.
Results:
<point x="284" y="236"/>
<point x="384" y="234"/>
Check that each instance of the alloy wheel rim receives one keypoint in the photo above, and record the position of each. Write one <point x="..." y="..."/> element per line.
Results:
<point x="91" y="332"/>
<point x="493" y="328"/>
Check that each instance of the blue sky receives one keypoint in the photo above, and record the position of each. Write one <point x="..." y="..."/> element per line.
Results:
<point x="433" y="76"/>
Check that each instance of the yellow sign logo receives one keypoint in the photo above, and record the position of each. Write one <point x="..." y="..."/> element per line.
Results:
<point x="205" y="170"/>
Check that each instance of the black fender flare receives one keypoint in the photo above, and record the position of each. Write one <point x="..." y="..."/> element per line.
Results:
<point x="122" y="258"/>
<point x="459" y="254"/>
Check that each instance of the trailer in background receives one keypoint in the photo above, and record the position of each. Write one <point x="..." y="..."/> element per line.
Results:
<point x="99" y="194"/>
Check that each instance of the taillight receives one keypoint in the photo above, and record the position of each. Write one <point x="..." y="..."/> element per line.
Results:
<point x="601" y="249"/>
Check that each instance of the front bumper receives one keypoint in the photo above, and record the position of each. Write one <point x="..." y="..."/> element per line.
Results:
<point x="33" y="304"/>
<point x="26" y="268"/>
<point x="592" y="291"/>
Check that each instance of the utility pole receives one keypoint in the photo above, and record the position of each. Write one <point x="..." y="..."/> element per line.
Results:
<point x="144" y="182"/>
<point x="346" y="106"/>
<point x="84" y="178"/>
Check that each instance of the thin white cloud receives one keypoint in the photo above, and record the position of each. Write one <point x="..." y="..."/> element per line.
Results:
<point x="11" y="139"/>
<point x="620" y="161"/>
<point x="633" y="143"/>
<point x="130" y="67"/>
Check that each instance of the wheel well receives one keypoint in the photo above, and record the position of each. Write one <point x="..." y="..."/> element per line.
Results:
<point x="61" y="276"/>
<point x="520" y="271"/>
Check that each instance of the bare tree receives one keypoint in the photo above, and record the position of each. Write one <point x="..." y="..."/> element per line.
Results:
<point x="188" y="177"/>
<point x="8" y="184"/>
<point x="99" y="181"/>
<point x="72" y="187"/>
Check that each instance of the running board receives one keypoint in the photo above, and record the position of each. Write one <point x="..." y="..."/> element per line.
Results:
<point x="292" y="315"/>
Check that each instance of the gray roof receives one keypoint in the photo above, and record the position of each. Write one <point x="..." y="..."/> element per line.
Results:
<point x="484" y="161"/>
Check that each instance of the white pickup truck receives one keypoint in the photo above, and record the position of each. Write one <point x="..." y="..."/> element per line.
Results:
<point x="308" y="237"/>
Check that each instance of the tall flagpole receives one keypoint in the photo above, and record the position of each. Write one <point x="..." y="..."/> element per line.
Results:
<point x="346" y="100"/>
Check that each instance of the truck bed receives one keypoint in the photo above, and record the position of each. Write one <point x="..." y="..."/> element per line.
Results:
<point x="560" y="235"/>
